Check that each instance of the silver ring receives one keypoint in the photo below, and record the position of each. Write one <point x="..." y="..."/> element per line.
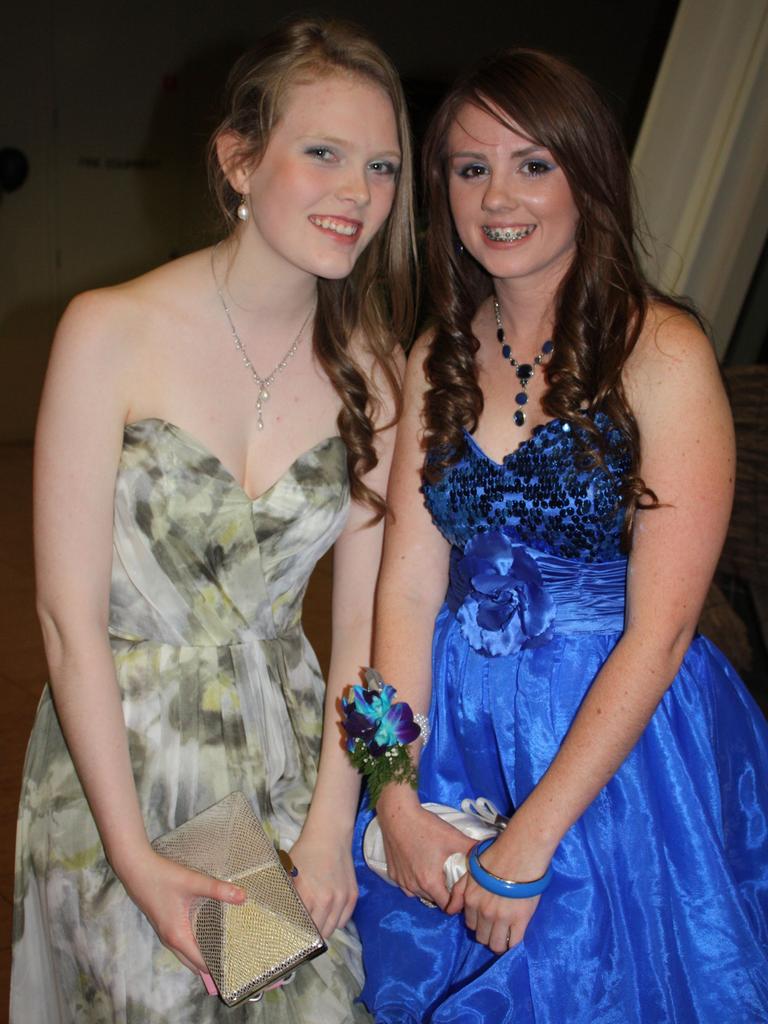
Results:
<point x="427" y="903"/>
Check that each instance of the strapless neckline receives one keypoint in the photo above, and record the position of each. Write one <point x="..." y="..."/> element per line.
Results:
<point x="539" y="431"/>
<point x="189" y="439"/>
<point x="555" y="499"/>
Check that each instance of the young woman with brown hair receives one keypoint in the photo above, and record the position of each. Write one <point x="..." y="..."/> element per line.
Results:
<point x="202" y="431"/>
<point x="560" y="492"/>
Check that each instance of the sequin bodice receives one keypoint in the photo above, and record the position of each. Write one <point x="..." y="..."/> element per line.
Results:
<point x="540" y="491"/>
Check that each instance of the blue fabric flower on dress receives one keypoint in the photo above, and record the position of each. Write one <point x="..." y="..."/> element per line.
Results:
<point x="505" y="607"/>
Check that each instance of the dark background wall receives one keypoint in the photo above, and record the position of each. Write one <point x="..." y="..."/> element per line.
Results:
<point x="112" y="104"/>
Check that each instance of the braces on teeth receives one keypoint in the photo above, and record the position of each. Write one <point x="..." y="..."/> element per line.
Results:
<point x="507" y="234"/>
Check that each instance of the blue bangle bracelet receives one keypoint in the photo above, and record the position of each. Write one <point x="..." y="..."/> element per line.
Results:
<point x="500" y="886"/>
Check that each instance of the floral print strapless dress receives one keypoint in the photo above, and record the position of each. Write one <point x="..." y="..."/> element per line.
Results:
<point x="220" y="691"/>
<point x="658" y="911"/>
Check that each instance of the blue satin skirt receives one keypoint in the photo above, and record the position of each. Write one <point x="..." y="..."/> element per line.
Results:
<point x="658" y="911"/>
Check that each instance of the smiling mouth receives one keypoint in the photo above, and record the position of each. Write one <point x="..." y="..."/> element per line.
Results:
<point x="508" y="234"/>
<point x="345" y="228"/>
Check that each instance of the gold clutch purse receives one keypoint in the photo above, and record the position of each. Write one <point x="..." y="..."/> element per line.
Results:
<point x="253" y="945"/>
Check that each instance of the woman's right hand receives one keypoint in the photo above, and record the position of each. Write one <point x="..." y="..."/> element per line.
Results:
<point x="164" y="891"/>
<point x="417" y="844"/>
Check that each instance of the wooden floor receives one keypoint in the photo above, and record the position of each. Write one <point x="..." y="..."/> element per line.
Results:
<point x="22" y="665"/>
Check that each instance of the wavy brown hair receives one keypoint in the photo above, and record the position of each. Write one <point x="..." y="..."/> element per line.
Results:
<point x="376" y="301"/>
<point x="602" y="300"/>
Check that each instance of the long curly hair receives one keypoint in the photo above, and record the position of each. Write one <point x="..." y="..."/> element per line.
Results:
<point x="602" y="300"/>
<point x="376" y="301"/>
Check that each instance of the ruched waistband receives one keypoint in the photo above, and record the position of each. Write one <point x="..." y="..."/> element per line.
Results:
<point x="507" y="595"/>
<point x="119" y="635"/>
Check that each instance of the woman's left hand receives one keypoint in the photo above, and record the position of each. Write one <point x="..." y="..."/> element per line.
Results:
<point x="326" y="879"/>
<point x="497" y="921"/>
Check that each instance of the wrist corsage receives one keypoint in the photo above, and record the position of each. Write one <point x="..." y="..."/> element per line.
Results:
<point x="378" y="729"/>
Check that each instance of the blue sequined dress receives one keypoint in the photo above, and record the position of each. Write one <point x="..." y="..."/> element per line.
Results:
<point x="658" y="911"/>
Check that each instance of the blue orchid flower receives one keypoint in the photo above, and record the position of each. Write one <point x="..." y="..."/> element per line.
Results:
<point x="376" y="718"/>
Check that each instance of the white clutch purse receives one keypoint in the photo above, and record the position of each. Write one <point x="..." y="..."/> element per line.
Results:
<point x="479" y="819"/>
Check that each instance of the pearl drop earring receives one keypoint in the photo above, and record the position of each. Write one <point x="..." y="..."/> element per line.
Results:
<point x="243" y="212"/>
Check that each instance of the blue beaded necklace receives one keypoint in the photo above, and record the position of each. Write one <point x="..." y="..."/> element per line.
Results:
<point x="523" y="371"/>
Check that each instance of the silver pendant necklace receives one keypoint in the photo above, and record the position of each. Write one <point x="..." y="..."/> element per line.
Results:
<point x="262" y="383"/>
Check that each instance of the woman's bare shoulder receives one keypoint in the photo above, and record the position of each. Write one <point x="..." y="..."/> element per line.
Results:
<point x="672" y="361"/>
<point x="670" y="335"/>
<point x="671" y="347"/>
<point x="420" y="352"/>
<point x="108" y="318"/>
